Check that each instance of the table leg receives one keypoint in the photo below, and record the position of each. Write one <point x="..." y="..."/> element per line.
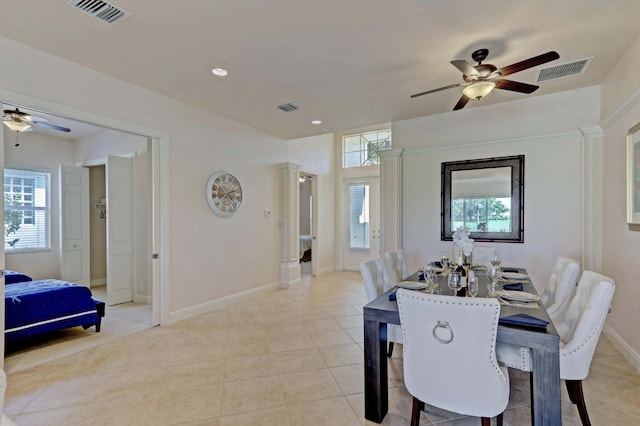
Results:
<point x="545" y="388"/>
<point x="376" y="392"/>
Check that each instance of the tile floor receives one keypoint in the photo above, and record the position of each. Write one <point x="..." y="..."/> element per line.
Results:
<point x="292" y="357"/>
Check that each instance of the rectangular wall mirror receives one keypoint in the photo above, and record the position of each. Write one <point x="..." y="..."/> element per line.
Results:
<point x="486" y="196"/>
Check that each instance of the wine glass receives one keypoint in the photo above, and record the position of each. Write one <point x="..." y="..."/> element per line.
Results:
<point x="495" y="259"/>
<point x="472" y="286"/>
<point x="430" y="276"/>
<point x="444" y="259"/>
<point x="454" y="282"/>
<point x="495" y="273"/>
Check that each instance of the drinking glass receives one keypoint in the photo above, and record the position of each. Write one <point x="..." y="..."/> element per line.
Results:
<point x="472" y="286"/>
<point x="495" y="273"/>
<point x="454" y="282"/>
<point x="444" y="259"/>
<point x="430" y="276"/>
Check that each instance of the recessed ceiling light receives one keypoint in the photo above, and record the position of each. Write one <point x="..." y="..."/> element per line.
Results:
<point x="316" y="122"/>
<point x="220" y="72"/>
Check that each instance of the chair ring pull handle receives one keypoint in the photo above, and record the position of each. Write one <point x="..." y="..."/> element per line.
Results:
<point x="445" y="325"/>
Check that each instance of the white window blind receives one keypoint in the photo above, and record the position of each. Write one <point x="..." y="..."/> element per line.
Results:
<point x="26" y="210"/>
<point x="359" y="217"/>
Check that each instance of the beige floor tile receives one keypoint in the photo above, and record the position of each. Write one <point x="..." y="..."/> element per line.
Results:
<point x="329" y="338"/>
<point x="350" y="378"/>
<point x="296" y="361"/>
<point x="350" y="321"/>
<point x="325" y="412"/>
<point x="334" y="356"/>
<point x="249" y="367"/>
<point x="289" y="342"/>
<point x="270" y="417"/>
<point x="251" y="395"/>
<point x="309" y="386"/>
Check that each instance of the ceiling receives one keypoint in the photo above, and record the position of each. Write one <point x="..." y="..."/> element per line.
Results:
<point x="349" y="63"/>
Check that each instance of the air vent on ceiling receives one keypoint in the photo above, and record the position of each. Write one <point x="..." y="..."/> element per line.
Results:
<point x="288" y="107"/>
<point x="567" y="69"/>
<point x="106" y="12"/>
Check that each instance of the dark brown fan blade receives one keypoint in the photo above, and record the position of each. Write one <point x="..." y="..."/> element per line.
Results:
<point x="515" y="86"/>
<point x="439" y="89"/>
<point x="461" y="102"/>
<point x="50" y="126"/>
<point x="529" y="63"/>
<point x="465" y="67"/>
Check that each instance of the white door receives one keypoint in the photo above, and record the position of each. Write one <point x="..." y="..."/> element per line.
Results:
<point x="120" y="229"/>
<point x="74" y="224"/>
<point x="361" y="223"/>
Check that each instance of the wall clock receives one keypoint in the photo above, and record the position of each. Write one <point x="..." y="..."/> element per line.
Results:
<point x="224" y="193"/>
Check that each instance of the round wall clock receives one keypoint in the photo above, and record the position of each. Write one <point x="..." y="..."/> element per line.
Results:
<point x="224" y="193"/>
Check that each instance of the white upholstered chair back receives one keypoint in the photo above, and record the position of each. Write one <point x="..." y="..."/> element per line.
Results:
<point x="374" y="277"/>
<point x="561" y="287"/>
<point x="482" y="255"/>
<point x="460" y="375"/>
<point x="581" y="326"/>
<point x="396" y="266"/>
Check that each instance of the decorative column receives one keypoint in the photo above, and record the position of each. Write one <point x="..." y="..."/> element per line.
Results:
<point x="390" y="199"/>
<point x="592" y="210"/>
<point x="289" y="225"/>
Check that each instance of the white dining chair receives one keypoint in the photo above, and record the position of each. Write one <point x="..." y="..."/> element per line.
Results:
<point x="4" y="420"/>
<point x="482" y="255"/>
<point x="396" y="266"/>
<point x="579" y="332"/>
<point x="449" y="354"/>
<point x="376" y="282"/>
<point x="561" y="288"/>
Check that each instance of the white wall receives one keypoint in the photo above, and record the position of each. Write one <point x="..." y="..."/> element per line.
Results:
<point x="209" y="256"/>
<point x="545" y="130"/>
<point x="621" y="247"/>
<point x="317" y="154"/>
<point x="39" y="151"/>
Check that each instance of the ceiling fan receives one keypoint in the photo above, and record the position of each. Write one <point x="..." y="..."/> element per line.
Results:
<point x="20" y="121"/>
<point x="481" y="79"/>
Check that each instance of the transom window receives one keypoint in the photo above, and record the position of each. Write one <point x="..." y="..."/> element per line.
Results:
<point x="361" y="149"/>
<point x="26" y="210"/>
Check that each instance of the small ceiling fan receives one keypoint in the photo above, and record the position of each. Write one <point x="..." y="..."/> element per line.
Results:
<point x="19" y="121"/>
<point x="481" y="79"/>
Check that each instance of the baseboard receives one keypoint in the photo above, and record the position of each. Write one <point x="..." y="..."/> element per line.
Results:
<point x="326" y="270"/>
<point x="627" y="351"/>
<point x="98" y="282"/>
<point x="203" y="308"/>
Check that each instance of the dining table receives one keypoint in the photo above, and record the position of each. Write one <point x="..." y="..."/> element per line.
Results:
<point x="543" y="343"/>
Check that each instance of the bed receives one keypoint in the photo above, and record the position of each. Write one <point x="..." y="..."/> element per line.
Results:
<point x="34" y="307"/>
<point x="305" y="248"/>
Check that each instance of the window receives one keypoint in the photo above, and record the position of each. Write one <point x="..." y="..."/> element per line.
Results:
<point x="359" y="217"/>
<point x="26" y="210"/>
<point x="361" y="149"/>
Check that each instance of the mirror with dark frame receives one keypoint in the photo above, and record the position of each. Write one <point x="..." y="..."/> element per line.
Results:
<point x="486" y="196"/>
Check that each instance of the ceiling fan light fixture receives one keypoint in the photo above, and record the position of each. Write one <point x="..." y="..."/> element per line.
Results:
<point x="478" y="89"/>
<point x="17" y="126"/>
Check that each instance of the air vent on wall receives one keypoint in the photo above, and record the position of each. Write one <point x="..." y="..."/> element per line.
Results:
<point x="567" y="69"/>
<point x="288" y="107"/>
<point x="106" y="12"/>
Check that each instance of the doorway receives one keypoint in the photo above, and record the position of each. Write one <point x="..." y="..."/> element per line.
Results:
<point x="307" y="231"/>
<point x="361" y="221"/>
<point x="157" y="166"/>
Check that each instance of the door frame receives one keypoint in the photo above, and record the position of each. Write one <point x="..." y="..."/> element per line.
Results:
<point x="314" y="219"/>
<point x="159" y="187"/>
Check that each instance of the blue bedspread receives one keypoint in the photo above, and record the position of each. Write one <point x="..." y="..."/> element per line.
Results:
<point x="34" y="307"/>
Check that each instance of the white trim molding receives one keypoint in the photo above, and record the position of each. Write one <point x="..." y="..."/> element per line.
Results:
<point x="592" y="198"/>
<point x="391" y="199"/>
<point x="627" y="351"/>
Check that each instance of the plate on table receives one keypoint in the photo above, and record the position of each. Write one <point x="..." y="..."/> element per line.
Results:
<point x="518" y="296"/>
<point x="411" y="285"/>
<point x="514" y="276"/>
